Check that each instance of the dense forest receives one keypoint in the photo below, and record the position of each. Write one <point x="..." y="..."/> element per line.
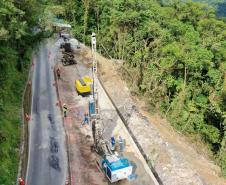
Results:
<point x="175" y="58"/>
<point x="174" y="55"/>
<point x="15" y="48"/>
<point x="18" y="20"/>
<point x="220" y="6"/>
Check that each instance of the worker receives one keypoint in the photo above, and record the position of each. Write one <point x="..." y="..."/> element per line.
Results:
<point x="85" y="119"/>
<point x="65" y="109"/>
<point x="21" y="181"/>
<point x="58" y="73"/>
<point x="121" y="144"/>
<point x="113" y="142"/>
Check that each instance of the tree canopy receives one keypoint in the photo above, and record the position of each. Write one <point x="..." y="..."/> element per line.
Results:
<point x="220" y="6"/>
<point x="175" y="57"/>
<point x="174" y="53"/>
<point x="18" y="22"/>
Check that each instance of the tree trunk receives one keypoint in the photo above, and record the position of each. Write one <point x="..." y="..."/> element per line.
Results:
<point x="86" y="5"/>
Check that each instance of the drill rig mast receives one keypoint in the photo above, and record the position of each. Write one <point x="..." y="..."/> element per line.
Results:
<point x="114" y="166"/>
<point x="101" y="145"/>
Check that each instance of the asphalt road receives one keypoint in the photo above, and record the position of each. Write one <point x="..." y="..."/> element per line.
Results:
<point x="47" y="163"/>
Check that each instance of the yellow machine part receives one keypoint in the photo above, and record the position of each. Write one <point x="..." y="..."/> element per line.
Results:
<point x="87" y="79"/>
<point x="83" y="85"/>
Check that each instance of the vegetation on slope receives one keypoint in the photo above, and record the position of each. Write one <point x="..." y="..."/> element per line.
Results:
<point x="175" y="55"/>
<point x="17" y="20"/>
<point x="220" y="6"/>
<point x="22" y="26"/>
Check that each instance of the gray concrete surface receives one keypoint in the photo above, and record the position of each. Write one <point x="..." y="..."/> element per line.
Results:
<point x="47" y="163"/>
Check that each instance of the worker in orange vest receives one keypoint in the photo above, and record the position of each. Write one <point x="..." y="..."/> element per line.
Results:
<point x="21" y="180"/>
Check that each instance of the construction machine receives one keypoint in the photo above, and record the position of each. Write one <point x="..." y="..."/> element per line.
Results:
<point x="83" y="85"/>
<point x="114" y="166"/>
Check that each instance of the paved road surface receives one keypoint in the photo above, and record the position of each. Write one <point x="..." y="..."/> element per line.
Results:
<point x="47" y="163"/>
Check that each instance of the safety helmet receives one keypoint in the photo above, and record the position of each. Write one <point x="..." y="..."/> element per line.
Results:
<point x="93" y="34"/>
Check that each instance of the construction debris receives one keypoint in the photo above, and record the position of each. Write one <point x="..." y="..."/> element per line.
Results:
<point x="68" y="56"/>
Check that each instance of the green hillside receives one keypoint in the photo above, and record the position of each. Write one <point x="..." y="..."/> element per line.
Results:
<point x="220" y="6"/>
<point x="17" y="20"/>
<point x="175" y="59"/>
<point x="212" y="2"/>
<point x="174" y="53"/>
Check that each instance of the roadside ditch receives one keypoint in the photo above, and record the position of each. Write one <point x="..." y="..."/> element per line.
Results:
<point x="25" y="117"/>
<point x="69" y="180"/>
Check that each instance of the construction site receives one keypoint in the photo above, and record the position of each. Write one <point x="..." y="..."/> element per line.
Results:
<point x="118" y="92"/>
<point x="98" y="133"/>
<point x="90" y="143"/>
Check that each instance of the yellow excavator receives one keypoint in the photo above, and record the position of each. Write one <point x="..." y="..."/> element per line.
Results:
<point x="83" y="85"/>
